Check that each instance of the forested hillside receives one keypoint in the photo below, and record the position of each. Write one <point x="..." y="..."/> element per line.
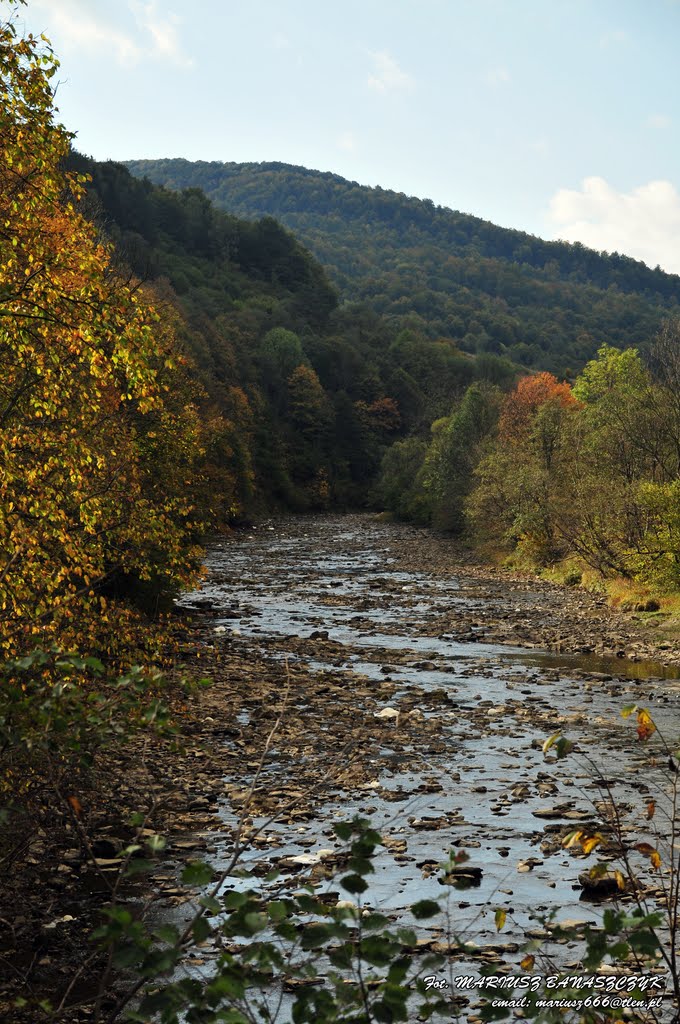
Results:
<point x="548" y="305"/>
<point x="304" y="398"/>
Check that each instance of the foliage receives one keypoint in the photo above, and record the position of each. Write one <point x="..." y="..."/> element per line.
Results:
<point x="399" y="488"/>
<point x="546" y="305"/>
<point x="273" y="946"/>
<point x="456" y="449"/>
<point x="252" y="306"/>
<point x="65" y="705"/>
<point x="651" y="932"/>
<point x="592" y="471"/>
<point x="97" y="456"/>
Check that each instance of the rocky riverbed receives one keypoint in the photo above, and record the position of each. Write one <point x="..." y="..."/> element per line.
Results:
<point x="412" y="685"/>
<point x="415" y="687"/>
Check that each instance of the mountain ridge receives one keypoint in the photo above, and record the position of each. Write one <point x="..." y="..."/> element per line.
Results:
<point x="548" y="304"/>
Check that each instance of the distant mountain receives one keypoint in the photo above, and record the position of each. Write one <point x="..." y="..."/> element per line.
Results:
<point x="305" y="397"/>
<point x="492" y="290"/>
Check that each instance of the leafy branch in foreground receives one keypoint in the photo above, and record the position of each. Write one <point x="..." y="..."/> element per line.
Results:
<point x="637" y="861"/>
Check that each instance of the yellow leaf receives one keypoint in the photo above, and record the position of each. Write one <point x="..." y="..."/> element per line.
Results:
<point x="500" y="917"/>
<point x="571" y="839"/>
<point x="589" y="844"/>
<point x="550" y="742"/>
<point x="645" y="726"/>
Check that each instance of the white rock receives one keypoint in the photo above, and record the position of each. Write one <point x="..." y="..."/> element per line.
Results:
<point x="387" y="713"/>
<point x="312" y="858"/>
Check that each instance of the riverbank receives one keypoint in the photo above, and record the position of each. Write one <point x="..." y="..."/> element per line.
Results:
<point x="567" y="619"/>
<point x="313" y="628"/>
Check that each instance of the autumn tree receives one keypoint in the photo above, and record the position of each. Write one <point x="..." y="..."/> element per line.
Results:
<point x="519" y="482"/>
<point x="97" y="462"/>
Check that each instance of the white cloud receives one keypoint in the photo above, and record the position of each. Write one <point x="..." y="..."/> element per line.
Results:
<point x="163" y="31"/>
<point x="89" y="25"/>
<point x="659" y="121"/>
<point x="643" y="223"/>
<point x="497" y="76"/>
<point x="387" y="76"/>
<point x="78" y="27"/>
<point x="614" y="37"/>
<point x="347" y="141"/>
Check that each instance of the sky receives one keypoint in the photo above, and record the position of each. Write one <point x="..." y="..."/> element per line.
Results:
<point x="558" y="117"/>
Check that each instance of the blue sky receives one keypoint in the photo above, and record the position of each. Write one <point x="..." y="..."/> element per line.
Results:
<point x="559" y="117"/>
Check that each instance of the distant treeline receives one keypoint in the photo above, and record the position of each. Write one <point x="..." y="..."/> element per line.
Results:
<point x="309" y="395"/>
<point x="589" y="472"/>
<point x="547" y="305"/>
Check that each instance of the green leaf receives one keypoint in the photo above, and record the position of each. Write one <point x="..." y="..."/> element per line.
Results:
<point x="354" y="883"/>
<point x="424" y="909"/>
<point x="234" y="899"/>
<point x="378" y="951"/>
<point x="229" y="984"/>
<point x="201" y="929"/>
<point x="255" y="922"/>
<point x="370" y="922"/>
<point x="139" y="866"/>
<point x="197" y="872"/>
<point x="310" y="904"/>
<point x="316" y="935"/>
<point x="167" y="933"/>
<point x="277" y="910"/>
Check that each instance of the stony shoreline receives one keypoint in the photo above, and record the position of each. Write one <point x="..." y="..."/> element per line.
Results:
<point x="568" y="619"/>
<point x="193" y="793"/>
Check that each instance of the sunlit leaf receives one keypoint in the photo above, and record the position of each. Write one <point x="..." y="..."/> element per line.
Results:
<point x="589" y="844"/>
<point x="571" y="839"/>
<point x="550" y="741"/>
<point x="645" y="726"/>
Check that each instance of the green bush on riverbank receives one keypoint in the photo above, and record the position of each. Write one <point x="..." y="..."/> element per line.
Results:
<point x="587" y="474"/>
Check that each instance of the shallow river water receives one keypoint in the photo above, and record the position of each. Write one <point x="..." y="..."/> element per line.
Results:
<point x="478" y="780"/>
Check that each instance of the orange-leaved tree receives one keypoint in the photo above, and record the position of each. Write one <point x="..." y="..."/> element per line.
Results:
<point x="519" y="492"/>
<point x="86" y="370"/>
<point x="524" y="402"/>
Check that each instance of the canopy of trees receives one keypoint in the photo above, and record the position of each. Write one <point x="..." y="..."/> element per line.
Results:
<point x="548" y="305"/>
<point x="303" y="397"/>
<point x="590" y="471"/>
<point x="99" y="437"/>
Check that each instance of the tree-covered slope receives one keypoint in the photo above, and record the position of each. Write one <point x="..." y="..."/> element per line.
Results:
<point x="491" y="289"/>
<point x="305" y="396"/>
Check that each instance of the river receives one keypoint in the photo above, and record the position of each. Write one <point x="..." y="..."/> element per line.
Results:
<point x="348" y="624"/>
